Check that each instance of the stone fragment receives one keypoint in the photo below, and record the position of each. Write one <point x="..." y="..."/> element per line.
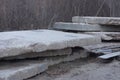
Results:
<point x="49" y="53"/>
<point x="21" y="70"/>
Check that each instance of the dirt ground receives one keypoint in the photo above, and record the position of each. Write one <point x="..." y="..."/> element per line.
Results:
<point x="82" y="69"/>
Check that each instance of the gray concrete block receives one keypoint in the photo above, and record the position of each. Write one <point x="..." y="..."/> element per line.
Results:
<point x="27" y="68"/>
<point x="97" y="20"/>
<point x="84" y="27"/>
<point x="76" y="26"/>
<point x="49" y="53"/>
<point x="106" y="35"/>
<point x="22" y="42"/>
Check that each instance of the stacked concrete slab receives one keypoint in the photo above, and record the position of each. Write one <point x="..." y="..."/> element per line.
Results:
<point x="97" y="20"/>
<point x="100" y="26"/>
<point x="24" y="54"/>
<point x="85" y="27"/>
<point x="108" y="28"/>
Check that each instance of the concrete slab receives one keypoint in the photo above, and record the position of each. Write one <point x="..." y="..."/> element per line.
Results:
<point x="107" y="36"/>
<point x="21" y="42"/>
<point x="27" y="68"/>
<point x="49" y="53"/>
<point x="84" y="27"/>
<point x="20" y="70"/>
<point x="97" y="20"/>
<point x="76" y="26"/>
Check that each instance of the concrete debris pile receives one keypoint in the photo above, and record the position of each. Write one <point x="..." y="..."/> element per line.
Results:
<point x="108" y="28"/>
<point x="24" y="54"/>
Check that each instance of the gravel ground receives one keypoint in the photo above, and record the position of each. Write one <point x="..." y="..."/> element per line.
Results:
<point x="82" y="69"/>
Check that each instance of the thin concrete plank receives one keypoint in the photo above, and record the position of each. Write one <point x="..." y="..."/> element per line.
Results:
<point x="50" y="53"/>
<point x="76" y="26"/>
<point x="21" y="42"/>
<point x="97" y="20"/>
<point x="21" y="70"/>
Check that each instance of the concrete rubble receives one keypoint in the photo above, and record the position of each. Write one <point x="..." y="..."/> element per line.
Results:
<point x="24" y="54"/>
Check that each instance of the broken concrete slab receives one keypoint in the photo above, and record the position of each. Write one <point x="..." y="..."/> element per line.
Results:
<point x="27" y="68"/>
<point x="20" y="70"/>
<point x="49" y="53"/>
<point x="84" y="27"/>
<point x="107" y="36"/>
<point x="76" y="27"/>
<point x="21" y="42"/>
<point x="97" y="20"/>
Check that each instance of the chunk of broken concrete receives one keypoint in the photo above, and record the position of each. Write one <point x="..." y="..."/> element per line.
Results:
<point x="21" y="70"/>
<point x="28" y="68"/>
<point x="84" y="27"/>
<point x="21" y="42"/>
<point x="97" y="20"/>
<point x="49" y="53"/>
<point x="76" y="26"/>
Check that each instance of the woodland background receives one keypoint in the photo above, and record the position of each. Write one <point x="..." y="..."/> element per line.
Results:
<point x="37" y="14"/>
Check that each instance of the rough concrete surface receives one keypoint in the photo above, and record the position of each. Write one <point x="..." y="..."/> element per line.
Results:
<point x="50" y="53"/>
<point x="85" y="27"/>
<point x="76" y="26"/>
<point x="97" y="20"/>
<point x="21" y="42"/>
<point x="20" y="70"/>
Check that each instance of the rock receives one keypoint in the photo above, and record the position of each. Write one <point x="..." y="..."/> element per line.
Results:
<point x="21" y="42"/>
<point x="28" y="68"/>
<point x="97" y="20"/>
<point x="49" y="53"/>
